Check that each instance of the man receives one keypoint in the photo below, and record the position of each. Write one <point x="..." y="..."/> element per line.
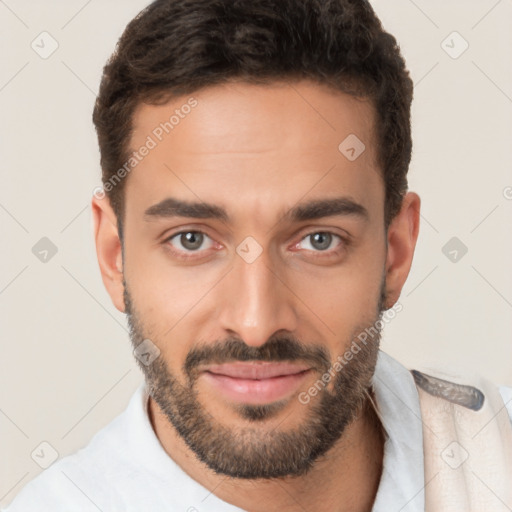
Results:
<point x="256" y="229"/>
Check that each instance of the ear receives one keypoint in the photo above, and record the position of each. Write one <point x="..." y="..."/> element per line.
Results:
<point x="402" y="236"/>
<point x="108" y="249"/>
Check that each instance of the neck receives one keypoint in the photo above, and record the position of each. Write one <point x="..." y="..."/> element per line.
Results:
<point x="346" y="478"/>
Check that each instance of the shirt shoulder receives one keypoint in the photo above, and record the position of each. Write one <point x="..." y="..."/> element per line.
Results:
<point x="56" y="489"/>
<point x="124" y="468"/>
<point x="81" y="481"/>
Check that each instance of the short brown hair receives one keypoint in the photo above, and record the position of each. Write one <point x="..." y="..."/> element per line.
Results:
<point x="175" y="47"/>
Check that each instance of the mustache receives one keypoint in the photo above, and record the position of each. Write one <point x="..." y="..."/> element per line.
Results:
<point x="277" y="349"/>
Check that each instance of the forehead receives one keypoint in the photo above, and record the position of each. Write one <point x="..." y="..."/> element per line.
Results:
<point x="254" y="145"/>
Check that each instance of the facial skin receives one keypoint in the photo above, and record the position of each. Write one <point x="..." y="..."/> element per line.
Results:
<point x="258" y="152"/>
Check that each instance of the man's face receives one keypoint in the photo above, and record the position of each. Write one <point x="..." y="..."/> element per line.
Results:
<point x="252" y="300"/>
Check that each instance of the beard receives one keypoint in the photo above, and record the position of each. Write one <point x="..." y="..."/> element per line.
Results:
<point x="252" y="452"/>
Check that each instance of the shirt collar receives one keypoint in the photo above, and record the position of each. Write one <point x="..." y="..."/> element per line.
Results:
<point x="402" y="481"/>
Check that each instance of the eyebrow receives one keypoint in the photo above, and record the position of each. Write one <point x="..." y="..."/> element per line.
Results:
<point x="315" y="209"/>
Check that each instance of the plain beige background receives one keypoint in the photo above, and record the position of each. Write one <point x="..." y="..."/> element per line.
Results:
<point x="67" y="369"/>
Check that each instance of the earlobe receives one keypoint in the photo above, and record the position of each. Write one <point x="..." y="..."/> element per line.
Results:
<point x="402" y="236"/>
<point x="108" y="249"/>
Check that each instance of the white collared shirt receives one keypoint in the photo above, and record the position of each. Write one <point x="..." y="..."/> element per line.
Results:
<point x="124" y="468"/>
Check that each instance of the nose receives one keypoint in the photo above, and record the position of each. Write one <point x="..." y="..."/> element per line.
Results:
<point x="256" y="301"/>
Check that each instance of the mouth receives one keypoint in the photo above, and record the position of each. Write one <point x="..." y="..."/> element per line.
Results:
<point x="255" y="382"/>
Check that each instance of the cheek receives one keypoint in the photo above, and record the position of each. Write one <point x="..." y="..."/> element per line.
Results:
<point x="170" y="301"/>
<point x="164" y="290"/>
<point x="350" y="290"/>
<point x="338" y="304"/>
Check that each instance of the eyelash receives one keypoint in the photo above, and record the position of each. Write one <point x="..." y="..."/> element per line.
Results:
<point x="345" y="242"/>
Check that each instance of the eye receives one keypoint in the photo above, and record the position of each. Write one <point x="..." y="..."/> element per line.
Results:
<point x="190" y="241"/>
<point x="320" y="241"/>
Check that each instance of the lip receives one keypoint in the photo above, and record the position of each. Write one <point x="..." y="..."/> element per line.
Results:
<point x="255" y="383"/>
<point x="256" y="370"/>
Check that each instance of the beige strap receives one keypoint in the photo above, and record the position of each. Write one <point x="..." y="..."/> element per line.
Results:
<point x="467" y="443"/>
